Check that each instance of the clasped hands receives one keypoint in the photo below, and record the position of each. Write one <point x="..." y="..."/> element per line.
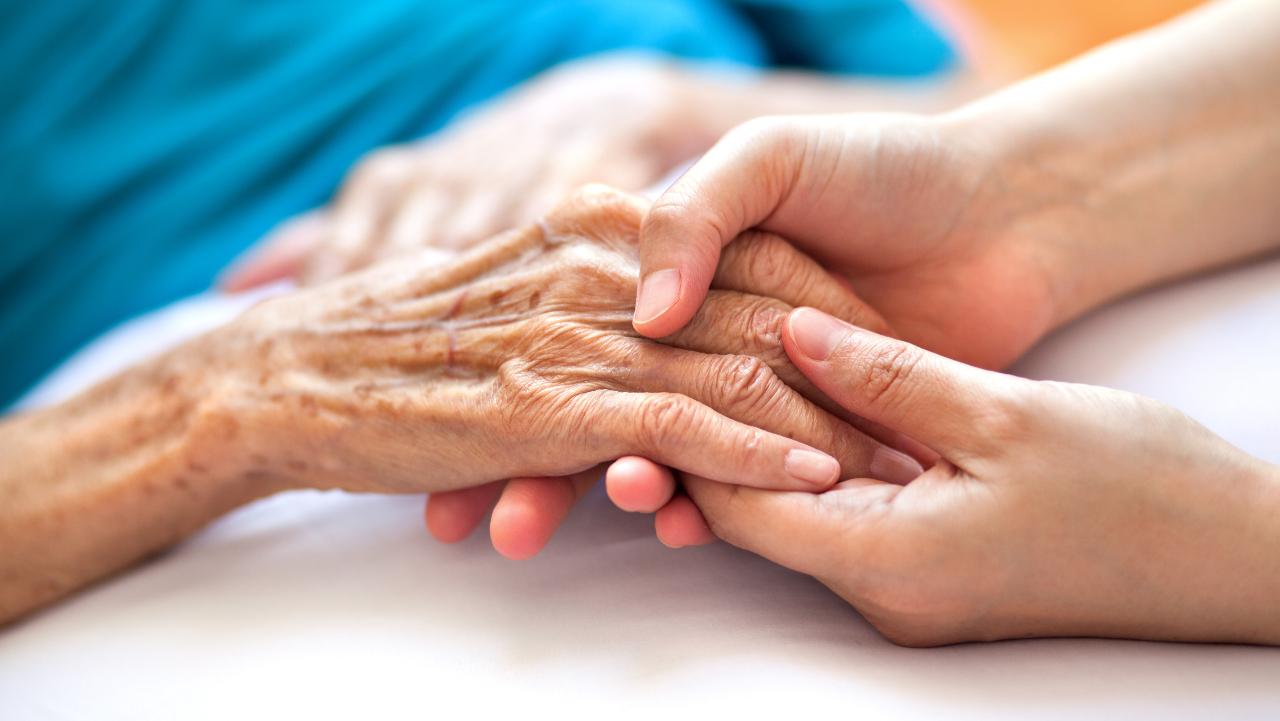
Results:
<point x="834" y="418"/>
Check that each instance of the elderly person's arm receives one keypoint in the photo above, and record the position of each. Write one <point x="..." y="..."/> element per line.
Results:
<point x="516" y="360"/>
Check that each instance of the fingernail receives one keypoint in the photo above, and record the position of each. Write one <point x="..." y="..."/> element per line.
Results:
<point x="812" y="467"/>
<point x="894" y="466"/>
<point x="658" y="292"/>
<point x="816" y="333"/>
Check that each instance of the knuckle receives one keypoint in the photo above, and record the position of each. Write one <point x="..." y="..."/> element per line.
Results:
<point x="677" y="215"/>
<point x="888" y="372"/>
<point x="767" y="257"/>
<point x="748" y="384"/>
<point x="1007" y="417"/>
<point x="764" y="324"/>
<point x="598" y="212"/>
<point x="664" y="419"/>
<point x="670" y="211"/>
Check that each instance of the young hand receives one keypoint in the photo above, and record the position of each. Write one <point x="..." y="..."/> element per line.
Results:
<point x="1054" y="510"/>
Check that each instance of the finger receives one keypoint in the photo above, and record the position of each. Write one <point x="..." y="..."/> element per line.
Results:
<point x="638" y="484"/>
<point x="735" y="186"/>
<point x="765" y="265"/>
<point x="278" y="256"/>
<point x="680" y="523"/>
<point x="933" y="399"/>
<point x="416" y="221"/>
<point x="360" y="219"/>
<point x="452" y="515"/>
<point x="730" y="322"/>
<point x="676" y="431"/>
<point x="808" y="532"/>
<point x="745" y="389"/>
<point x="531" y="509"/>
<point x="476" y="218"/>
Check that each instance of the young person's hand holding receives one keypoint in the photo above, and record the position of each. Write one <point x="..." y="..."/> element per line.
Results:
<point x="974" y="233"/>
<point x="1055" y="509"/>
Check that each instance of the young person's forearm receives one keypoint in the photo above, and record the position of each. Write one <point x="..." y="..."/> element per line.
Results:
<point x="1152" y="158"/>
<point x="733" y="97"/>
<point x="720" y="98"/>
<point x="110" y="477"/>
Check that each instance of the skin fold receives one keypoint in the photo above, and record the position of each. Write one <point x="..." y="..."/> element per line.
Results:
<point x="518" y="360"/>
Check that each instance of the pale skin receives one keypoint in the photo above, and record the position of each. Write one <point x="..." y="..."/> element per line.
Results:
<point x="1047" y="509"/>
<point x="516" y="360"/>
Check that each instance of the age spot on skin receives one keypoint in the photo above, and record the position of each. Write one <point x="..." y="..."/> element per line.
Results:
<point x="534" y="299"/>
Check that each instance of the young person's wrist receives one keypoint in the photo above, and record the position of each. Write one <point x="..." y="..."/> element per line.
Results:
<point x="1052" y="192"/>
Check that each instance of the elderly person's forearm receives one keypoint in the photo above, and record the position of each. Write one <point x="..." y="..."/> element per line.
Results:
<point x="127" y="469"/>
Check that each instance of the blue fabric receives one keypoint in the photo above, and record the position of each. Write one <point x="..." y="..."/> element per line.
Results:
<point x="144" y="144"/>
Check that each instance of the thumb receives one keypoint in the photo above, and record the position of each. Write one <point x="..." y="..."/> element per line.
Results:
<point x="735" y="186"/>
<point x="933" y="399"/>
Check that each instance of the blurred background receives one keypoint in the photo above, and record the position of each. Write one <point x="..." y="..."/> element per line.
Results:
<point x="146" y="145"/>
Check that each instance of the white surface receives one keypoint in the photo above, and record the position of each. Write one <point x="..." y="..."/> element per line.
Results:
<point x="314" y="605"/>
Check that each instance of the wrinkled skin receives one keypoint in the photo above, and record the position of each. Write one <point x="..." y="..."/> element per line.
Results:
<point x="519" y="359"/>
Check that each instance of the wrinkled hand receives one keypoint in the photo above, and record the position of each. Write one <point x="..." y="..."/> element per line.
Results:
<point x="1056" y="509"/>
<point x="615" y="120"/>
<point x="517" y="359"/>
<point x="759" y="280"/>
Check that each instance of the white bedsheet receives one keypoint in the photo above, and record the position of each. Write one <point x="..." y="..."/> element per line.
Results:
<point x="324" y="605"/>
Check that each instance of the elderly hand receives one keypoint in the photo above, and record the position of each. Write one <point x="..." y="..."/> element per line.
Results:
<point x="518" y="359"/>
<point x="760" y="279"/>
<point x="1055" y="510"/>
